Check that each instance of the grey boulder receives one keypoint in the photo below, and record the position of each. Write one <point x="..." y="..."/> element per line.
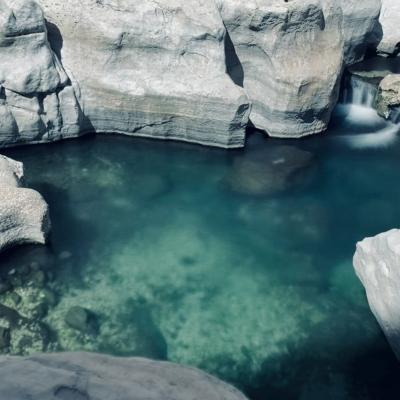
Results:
<point x="24" y="215"/>
<point x="85" y="376"/>
<point x="377" y="264"/>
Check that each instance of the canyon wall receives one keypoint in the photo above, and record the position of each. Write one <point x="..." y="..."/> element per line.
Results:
<point x="191" y="71"/>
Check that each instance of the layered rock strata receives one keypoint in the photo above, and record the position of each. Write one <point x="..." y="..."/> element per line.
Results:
<point x="377" y="264"/>
<point x="85" y="376"/>
<point x="24" y="215"/>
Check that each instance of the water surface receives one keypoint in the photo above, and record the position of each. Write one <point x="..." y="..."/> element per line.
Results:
<point x="256" y="289"/>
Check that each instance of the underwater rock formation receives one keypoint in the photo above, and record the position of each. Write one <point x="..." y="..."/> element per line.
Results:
<point x="388" y="97"/>
<point x="377" y="262"/>
<point x="85" y="376"/>
<point x="24" y="215"/>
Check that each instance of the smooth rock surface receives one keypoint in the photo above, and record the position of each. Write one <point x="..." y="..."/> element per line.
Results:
<point x="88" y="376"/>
<point x="388" y="97"/>
<point x="278" y="46"/>
<point x="377" y="264"/>
<point x="154" y="69"/>
<point x="24" y="215"/>
<point x="389" y="31"/>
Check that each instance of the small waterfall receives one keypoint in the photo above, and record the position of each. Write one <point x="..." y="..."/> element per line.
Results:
<point x="358" y="91"/>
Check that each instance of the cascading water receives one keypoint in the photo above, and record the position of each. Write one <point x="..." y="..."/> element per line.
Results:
<point x="357" y="115"/>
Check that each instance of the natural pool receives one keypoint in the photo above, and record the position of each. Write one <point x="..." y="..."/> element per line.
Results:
<point x="181" y="262"/>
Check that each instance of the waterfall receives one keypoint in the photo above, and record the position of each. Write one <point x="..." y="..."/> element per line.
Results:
<point x="356" y="113"/>
<point x="359" y="91"/>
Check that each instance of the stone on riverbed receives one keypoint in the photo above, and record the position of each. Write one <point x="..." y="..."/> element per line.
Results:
<point x="270" y="172"/>
<point x="24" y="215"/>
<point x="82" y="320"/>
<point x="377" y="264"/>
<point x="85" y="376"/>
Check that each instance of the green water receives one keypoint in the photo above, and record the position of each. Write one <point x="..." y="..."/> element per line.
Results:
<point x="256" y="289"/>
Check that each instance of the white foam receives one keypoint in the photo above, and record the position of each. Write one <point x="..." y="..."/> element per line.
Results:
<point x="382" y="138"/>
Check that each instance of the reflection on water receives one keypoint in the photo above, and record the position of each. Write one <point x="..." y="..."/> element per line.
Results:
<point x="256" y="286"/>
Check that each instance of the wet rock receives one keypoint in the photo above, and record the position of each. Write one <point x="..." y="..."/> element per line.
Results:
<point x="4" y="286"/>
<point x="50" y="297"/>
<point x="82" y="320"/>
<point x="15" y="298"/>
<point x="272" y="172"/>
<point x="64" y="376"/>
<point x="388" y="98"/>
<point x="38" y="278"/>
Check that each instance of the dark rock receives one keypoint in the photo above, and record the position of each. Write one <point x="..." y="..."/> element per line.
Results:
<point x="38" y="278"/>
<point x="270" y="172"/>
<point x="15" y="298"/>
<point x="9" y="314"/>
<point x="40" y="310"/>
<point x="83" y="320"/>
<point x="50" y="297"/>
<point x="4" y="338"/>
<point x="4" y="287"/>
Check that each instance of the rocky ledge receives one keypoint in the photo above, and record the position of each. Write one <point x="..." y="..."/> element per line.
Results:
<point x="24" y="215"/>
<point x="88" y="376"/>
<point x="377" y="264"/>
<point x="200" y="70"/>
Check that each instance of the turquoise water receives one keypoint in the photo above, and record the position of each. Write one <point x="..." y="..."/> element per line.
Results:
<point x="183" y="257"/>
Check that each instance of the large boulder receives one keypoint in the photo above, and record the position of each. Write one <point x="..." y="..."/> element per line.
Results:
<point x="24" y="215"/>
<point x="154" y="69"/>
<point x="377" y="264"/>
<point x="388" y="29"/>
<point x="84" y="376"/>
<point x="279" y="46"/>
<point x="388" y="97"/>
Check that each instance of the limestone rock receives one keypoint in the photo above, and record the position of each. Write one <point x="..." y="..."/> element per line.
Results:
<point x="24" y="215"/>
<point x="279" y="47"/>
<point x="154" y="69"/>
<point x="84" y="376"/>
<point x="388" y="97"/>
<point x="377" y="264"/>
<point x="389" y="32"/>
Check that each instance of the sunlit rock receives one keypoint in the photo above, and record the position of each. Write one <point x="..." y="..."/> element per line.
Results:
<point x="388" y="30"/>
<point x="84" y="376"/>
<point x="377" y="264"/>
<point x="388" y="97"/>
<point x="24" y="214"/>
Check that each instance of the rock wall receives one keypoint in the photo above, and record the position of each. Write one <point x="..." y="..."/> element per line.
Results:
<point x="24" y="214"/>
<point x="85" y="376"/>
<point x="189" y="70"/>
<point x="377" y="264"/>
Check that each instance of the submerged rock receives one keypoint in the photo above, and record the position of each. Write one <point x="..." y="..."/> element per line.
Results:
<point x="83" y="320"/>
<point x="84" y="376"/>
<point x="272" y="172"/>
<point x="377" y="264"/>
<point x="24" y="215"/>
<point x="388" y="97"/>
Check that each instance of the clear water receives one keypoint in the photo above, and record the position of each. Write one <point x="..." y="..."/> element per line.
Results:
<point x="258" y="290"/>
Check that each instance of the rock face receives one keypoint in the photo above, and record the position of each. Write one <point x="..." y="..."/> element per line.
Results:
<point x="388" y="97"/>
<point x="278" y="44"/>
<point x="24" y="214"/>
<point x="377" y="264"/>
<point x="388" y="31"/>
<point x="154" y="69"/>
<point x="86" y="376"/>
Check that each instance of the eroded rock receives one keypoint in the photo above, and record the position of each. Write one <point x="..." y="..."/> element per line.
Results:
<point x="82" y="376"/>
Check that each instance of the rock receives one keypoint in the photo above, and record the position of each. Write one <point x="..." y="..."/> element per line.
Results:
<point x="82" y="320"/>
<point x="388" y="30"/>
<point x="377" y="264"/>
<point x="15" y="298"/>
<point x="277" y="44"/>
<point x="272" y="172"/>
<point x="4" y="338"/>
<point x="388" y="97"/>
<point x="24" y="215"/>
<point x="84" y="376"/>
<point x="4" y="287"/>
<point x="156" y="70"/>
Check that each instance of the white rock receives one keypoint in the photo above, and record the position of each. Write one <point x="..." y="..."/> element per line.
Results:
<point x="389" y="30"/>
<point x="84" y="376"/>
<point x="377" y="264"/>
<point x="24" y="215"/>
<point x="153" y="69"/>
<point x="290" y="57"/>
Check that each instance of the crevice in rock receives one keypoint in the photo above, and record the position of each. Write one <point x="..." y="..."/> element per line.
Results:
<point x="234" y="67"/>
